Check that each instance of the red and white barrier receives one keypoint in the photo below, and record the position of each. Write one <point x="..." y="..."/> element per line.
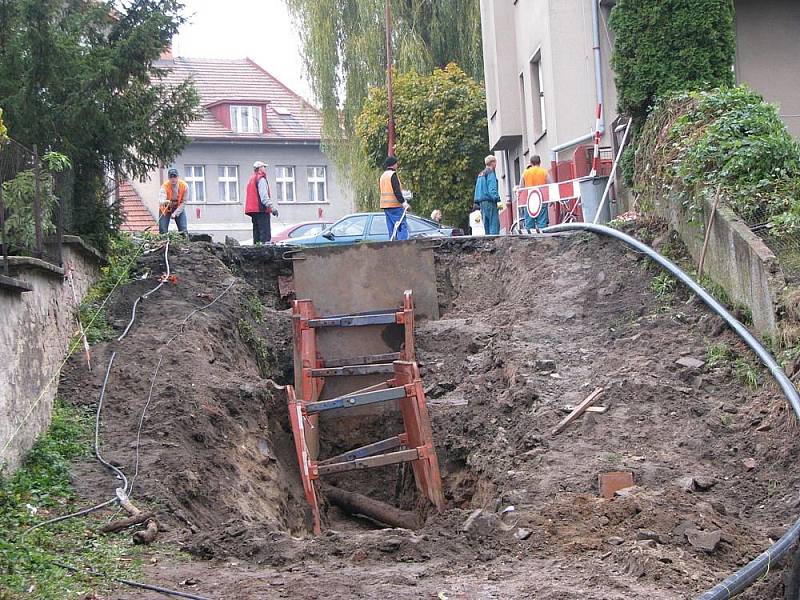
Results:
<point x="534" y="198"/>
<point x="596" y="157"/>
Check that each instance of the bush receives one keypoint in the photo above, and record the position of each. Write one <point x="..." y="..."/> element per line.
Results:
<point x="18" y="196"/>
<point x="670" y="45"/>
<point x="729" y="141"/>
<point x="441" y="138"/>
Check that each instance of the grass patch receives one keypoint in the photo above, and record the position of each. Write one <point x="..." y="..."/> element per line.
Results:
<point x="122" y="254"/>
<point x="40" y="490"/>
<point x="252" y="303"/>
<point x="663" y="286"/>
<point x="745" y="373"/>
<point x="719" y="354"/>
<point x="265" y="359"/>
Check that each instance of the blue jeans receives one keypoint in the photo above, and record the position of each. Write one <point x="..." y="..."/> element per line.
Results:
<point x="540" y="222"/>
<point x="393" y="215"/>
<point x="180" y="221"/>
<point x="490" y="216"/>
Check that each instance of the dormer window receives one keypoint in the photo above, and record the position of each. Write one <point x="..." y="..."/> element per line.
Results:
<point x="246" y="119"/>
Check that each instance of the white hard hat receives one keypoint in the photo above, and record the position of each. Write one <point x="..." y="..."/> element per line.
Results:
<point x="258" y="164"/>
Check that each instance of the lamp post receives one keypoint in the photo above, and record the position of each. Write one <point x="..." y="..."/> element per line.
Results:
<point x="389" y="94"/>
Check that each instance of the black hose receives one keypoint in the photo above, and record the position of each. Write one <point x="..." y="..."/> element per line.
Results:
<point x="136" y="584"/>
<point x="745" y="576"/>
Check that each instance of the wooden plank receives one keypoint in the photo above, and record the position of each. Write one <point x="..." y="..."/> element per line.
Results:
<point x="579" y="410"/>
<point x="592" y="409"/>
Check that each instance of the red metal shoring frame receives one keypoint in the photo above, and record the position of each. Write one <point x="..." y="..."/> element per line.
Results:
<point x="306" y="439"/>
<point x="418" y="432"/>
<point x="307" y="467"/>
<point x="413" y="407"/>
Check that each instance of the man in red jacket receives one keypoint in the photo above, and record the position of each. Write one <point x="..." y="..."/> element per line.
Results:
<point x="258" y="204"/>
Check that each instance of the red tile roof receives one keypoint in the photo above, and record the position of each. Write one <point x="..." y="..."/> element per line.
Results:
<point x="221" y="80"/>
<point x="137" y="217"/>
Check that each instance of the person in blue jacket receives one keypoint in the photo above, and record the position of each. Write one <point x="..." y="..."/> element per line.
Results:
<point x="487" y="196"/>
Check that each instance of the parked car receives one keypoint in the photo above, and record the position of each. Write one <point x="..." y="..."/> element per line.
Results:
<point x="306" y="228"/>
<point x="370" y="227"/>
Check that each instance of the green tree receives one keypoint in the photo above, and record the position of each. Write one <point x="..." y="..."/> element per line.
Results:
<point x="78" y="77"/>
<point x="441" y="138"/>
<point x="664" y="46"/>
<point x="344" y="48"/>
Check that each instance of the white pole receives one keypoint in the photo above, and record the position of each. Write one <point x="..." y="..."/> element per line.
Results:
<point x="613" y="174"/>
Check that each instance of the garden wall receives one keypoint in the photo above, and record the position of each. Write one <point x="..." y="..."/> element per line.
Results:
<point x="35" y="329"/>
<point x="736" y="259"/>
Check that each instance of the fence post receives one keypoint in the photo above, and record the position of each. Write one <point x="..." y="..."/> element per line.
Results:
<point x="37" y="202"/>
<point x="3" y="230"/>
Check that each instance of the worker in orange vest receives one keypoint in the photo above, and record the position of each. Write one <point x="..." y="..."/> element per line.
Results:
<point x="533" y="176"/>
<point x="393" y="203"/>
<point x="172" y="201"/>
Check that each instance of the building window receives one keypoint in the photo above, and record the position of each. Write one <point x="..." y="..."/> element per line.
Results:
<point x="284" y="181"/>
<point x="196" y="180"/>
<point x="246" y="119"/>
<point x="228" y="184"/>
<point x="537" y="85"/>
<point x="317" y="188"/>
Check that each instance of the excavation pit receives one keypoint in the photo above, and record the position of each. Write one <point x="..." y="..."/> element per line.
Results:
<point x="525" y="328"/>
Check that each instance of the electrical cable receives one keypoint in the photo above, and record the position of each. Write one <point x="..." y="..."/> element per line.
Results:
<point x="144" y="586"/>
<point x="146" y="295"/>
<point x="91" y="509"/>
<point x="745" y="576"/>
<point x="129" y="491"/>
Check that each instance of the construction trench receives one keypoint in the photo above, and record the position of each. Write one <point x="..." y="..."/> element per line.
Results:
<point x="509" y="335"/>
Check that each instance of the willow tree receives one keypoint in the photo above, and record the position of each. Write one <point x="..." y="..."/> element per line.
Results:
<point x="345" y="53"/>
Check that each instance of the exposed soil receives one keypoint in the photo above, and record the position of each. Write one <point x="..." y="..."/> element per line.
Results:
<point x="528" y="326"/>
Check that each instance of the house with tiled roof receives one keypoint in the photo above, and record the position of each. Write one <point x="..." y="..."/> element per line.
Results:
<point x="248" y="115"/>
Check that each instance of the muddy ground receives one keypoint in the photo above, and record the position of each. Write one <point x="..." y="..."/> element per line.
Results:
<point x="528" y="326"/>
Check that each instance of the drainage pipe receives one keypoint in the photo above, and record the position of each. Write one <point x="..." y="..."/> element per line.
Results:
<point x="744" y="577"/>
<point x="598" y="84"/>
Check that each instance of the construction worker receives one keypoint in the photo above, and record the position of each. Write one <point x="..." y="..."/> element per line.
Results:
<point x="487" y="196"/>
<point x="172" y="199"/>
<point x="393" y="203"/>
<point x="258" y="203"/>
<point x="533" y="176"/>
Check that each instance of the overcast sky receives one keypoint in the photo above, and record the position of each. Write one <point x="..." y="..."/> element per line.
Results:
<point x="260" y="29"/>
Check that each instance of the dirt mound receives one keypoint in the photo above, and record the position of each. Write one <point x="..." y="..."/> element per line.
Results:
<point x="528" y="327"/>
<point x="214" y="454"/>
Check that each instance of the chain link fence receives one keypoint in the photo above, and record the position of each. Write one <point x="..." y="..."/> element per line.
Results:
<point x="35" y="198"/>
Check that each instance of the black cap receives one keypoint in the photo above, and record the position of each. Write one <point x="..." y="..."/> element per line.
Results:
<point x="389" y="162"/>
<point x="172" y="173"/>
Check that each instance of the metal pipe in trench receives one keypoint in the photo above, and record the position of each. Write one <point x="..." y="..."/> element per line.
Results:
<point x="745" y="576"/>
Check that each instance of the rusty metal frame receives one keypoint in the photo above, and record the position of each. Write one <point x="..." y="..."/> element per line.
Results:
<point x="406" y="387"/>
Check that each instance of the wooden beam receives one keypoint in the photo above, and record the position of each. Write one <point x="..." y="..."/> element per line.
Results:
<point x="579" y="410"/>
<point x="359" y="504"/>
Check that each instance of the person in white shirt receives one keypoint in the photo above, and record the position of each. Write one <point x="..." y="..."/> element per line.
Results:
<point x="475" y="221"/>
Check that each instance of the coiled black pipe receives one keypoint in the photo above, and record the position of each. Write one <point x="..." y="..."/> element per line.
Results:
<point x="745" y="576"/>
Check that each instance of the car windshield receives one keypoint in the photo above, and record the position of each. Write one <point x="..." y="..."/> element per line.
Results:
<point x="351" y="226"/>
<point x="417" y="225"/>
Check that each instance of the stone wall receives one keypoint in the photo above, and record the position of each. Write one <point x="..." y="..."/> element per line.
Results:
<point x="35" y="329"/>
<point x="736" y="259"/>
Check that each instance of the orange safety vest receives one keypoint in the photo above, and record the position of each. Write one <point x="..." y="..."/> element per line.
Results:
<point x="174" y="203"/>
<point x="388" y="198"/>
<point x="533" y="176"/>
